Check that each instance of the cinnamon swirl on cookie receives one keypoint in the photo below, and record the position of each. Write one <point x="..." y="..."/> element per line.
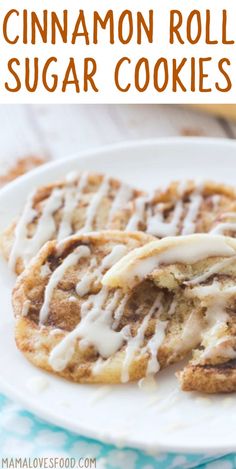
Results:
<point x="83" y="202"/>
<point x="183" y="209"/>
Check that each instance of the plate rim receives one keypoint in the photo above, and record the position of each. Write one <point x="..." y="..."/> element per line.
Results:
<point x="49" y="417"/>
<point x="104" y="438"/>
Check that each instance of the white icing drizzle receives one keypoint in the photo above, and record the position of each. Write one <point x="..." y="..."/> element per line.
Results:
<point x="25" y="308"/>
<point x="62" y="353"/>
<point x="72" y="299"/>
<point x="214" y="339"/>
<point x="120" y="303"/>
<point x="99" y="365"/>
<point x="134" y="268"/>
<point x="70" y="202"/>
<point x="84" y="285"/>
<point x="135" y="343"/>
<point x="133" y="346"/>
<point x="172" y="308"/>
<point x="123" y="196"/>
<point x="46" y="225"/>
<point x="214" y="269"/>
<point x="189" y="223"/>
<point x="148" y="384"/>
<point x="115" y="255"/>
<point x="97" y="331"/>
<point x="72" y="196"/>
<point x="93" y="206"/>
<point x="83" y="180"/>
<point x="27" y="216"/>
<point x="98" y="299"/>
<point x="27" y="247"/>
<point x="119" y="311"/>
<point x="157" y="339"/>
<point x="138" y="215"/>
<point x="57" y="275"/>
<point x="153" y="346"/>
<point x="158" y="227"/>
<point x="45" y="270"/>
<point x="191" y="333"/>
<point x="220" y="346"/>
<point x="213" y="291"/>
<point x="95" y="327"/>
<point x="222" y="227"/>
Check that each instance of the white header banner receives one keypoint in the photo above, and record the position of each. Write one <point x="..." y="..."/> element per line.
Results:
<point x="131" y="51"/>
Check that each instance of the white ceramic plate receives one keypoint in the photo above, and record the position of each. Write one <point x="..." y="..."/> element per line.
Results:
<point x="164" y="419"/>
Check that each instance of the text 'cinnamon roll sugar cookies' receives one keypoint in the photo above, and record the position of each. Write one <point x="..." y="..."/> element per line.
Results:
<point x="101" y="299"/>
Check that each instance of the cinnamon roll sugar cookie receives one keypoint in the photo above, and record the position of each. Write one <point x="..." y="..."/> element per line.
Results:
<point x="92" y="202"/>
<point x="83" y="202"/>
<point x="71" y="325"/>
<point x="200" y="268"/>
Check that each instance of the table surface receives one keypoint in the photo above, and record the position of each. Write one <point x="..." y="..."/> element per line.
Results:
<point x="31" y="134"/>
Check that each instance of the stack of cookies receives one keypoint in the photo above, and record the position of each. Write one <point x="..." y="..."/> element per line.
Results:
<point x="115" y="284"/>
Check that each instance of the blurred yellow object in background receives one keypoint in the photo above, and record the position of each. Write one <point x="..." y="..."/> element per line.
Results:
<point x="225" y="110"/>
